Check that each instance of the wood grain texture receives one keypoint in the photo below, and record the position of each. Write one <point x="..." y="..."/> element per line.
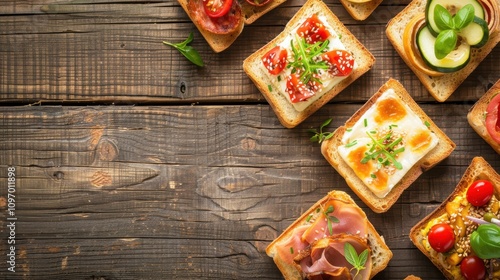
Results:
<point x="193" y="192"/>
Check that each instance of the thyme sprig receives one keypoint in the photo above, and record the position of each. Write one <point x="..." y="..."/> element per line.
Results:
<point x="383" y="150"/>
<point x="320" y="136"/>
<point x="304" y="58"/>
<point x="330" y="219"/>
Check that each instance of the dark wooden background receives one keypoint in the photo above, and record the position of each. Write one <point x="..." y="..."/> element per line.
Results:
<point x="132" y="163"/>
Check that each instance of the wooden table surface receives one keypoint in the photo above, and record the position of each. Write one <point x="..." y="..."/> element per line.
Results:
<point x="132" y="163"/>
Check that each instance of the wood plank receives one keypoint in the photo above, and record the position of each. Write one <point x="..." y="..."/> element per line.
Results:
<point x="74" y="51"/>
<point x="132" y="192"/>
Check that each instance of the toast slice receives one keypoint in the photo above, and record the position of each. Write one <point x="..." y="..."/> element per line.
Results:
<point x="440" y="87"/>
<point x="332" y="148"/>
<point x="362" y="10"/>
<point x="477" y="116"/>
<point x="285" y="111"/>
<point x="380" y="252"/>
<point x="456" y="203"/>
<point x="249" y="14"/>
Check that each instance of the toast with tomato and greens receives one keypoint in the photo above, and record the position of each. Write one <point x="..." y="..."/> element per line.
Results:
<point x="334" y="238"/>
<point x="311" y="61"/>
<point x="461" y="236"/>
<point x="220" y="22"/>
<point x="360" y="9"/>
<point x="443" y="41"/>
<point x="385" y="146"/>
<point x="483" y="117"/>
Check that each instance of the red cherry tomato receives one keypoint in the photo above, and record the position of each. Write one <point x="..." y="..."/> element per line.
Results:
<point x="473" y="268"/>
<point x="275" y="60"/>
<point x="342" y="62"/>
<point x="217" y="8"/>
<point x="257" y="3"/>
<point x="480" y="192"/>
<point x="492" y="118"/>
<point x="441" y="237"/>
<point x="296" y="89"/>
<point x="313" y="30"/>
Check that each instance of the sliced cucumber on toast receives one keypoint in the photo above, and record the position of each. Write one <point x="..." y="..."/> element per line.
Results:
<point x="451" y="5"/>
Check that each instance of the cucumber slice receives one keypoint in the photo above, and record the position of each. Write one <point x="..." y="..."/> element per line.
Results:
<point x="451" y="5"/>
<point x="476" y="34"/>
<point x="454" y="61"/>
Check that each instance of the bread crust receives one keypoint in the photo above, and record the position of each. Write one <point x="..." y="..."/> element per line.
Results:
<point x="433" y="157"/>
<point x="442" y="87"/>
<point x="478" y="169"/>
<point x="284" y="110"/>
<point x="220" y="42"/>
<point x="375" y="241"/>
<point x="477" y="115"/>
<point x="360" y="11"/>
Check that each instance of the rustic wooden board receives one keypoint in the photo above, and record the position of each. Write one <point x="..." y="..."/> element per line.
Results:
<point x="193" y="192"/>
<point x="81" y="51"/>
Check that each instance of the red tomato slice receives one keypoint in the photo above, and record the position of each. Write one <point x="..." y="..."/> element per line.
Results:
<point x="313" y="30"/>
<point x="342" y="62"/>
<point x="217" y="8"/>
<point x="492" y="118"/>
<point x="297" y="90"/>
<point x="275" y="60"/>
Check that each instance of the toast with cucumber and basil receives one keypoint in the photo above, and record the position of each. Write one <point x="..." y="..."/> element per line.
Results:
<point x="360" y="9"/>
<point x="443" y="41"/>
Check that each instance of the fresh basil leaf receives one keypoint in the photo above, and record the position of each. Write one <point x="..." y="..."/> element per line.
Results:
<point x="363" y="257"/>
<point x="325" y="123"/>
<point x="464" y="16"/>
<point x="443" y="18"/>
<point x="189" y="52"/>
<point x="485" y="241"/>
<point x="445" y="43"/>
<point x="350" y="254"/>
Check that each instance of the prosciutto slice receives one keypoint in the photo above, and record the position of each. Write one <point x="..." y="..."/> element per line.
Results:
<point x="293" y="245"/>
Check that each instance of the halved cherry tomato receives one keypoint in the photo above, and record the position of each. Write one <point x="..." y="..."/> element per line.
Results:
<point x="441" y="237"/>
<point x="217" y="8"/>
<point x="296" y="89"/>
<point x="313" y="30"/>
<point x="473" y="268"/>
<point x="257" y="3"/>
<point x="275" y="60"/>
<point x="493" y="119"/>
<point x="480" y="192"/>
<point x="342" y="62"/>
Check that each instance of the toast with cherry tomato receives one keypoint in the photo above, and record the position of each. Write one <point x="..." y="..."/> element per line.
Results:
<point x="483" y="117"/>
<point x="311" y="61"/>
<point x="461" y="236"/>
<point x="221" y="21"/>
<point x="443" y="41"/>
<point x="360" y="9"/>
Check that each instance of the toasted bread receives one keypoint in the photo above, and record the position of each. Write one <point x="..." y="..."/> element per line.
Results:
<point x="287" y="114"/>
<point x="380" y="253"/>
<point x="220" y="42"/>
<point x="477" y="116"/>
<point x="329" y="149"/>
<point x="440" y="87"/>
<point x="362" y="10"/>
<point x="478" y="169"/>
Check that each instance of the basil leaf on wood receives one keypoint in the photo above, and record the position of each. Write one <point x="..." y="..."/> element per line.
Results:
<point x="445" y="43"/>
<point x="464" y="16"/>
<point x="443" y="18"/>
<point x="189" y="52"/>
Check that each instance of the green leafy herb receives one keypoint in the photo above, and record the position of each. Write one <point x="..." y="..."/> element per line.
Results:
<point x="330" y="219"/>
<point x="383" y="150"/>
<point x="428" y="124"/>
<point x="291" y="250"/>
<point x="485" y="241"/>
<point x="189" y="52"/>
<point x="352" y="143"/>
<point x="358" y="261"/>
<point x="373" y="175"/>
<point x="304" y="58"/>
<point x="450" y="26"/>
<point x="269" y="87"/>
<point x="320" y="136"/>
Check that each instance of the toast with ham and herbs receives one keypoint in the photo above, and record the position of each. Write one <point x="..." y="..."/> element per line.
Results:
<point x="296" y="89"/>
<point x="324" y="230"/>
<point x="221" y="32"/>
<point x="441" y="79"/>
<point x="385" y="146"/>
<point x="360" y="9"/>
<point x="483" y="117"/>
<point x="453" y="215"/>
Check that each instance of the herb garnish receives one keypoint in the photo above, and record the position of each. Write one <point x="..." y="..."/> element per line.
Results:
<point x="450" y="26"/>
<point x="188" y="51"/>
<point x="383" y="150"/>
<point x="304" y="60"/>
<point x="320" y="136"/>
<point x="330" y="219"/>
<point x="357" y="261"/>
